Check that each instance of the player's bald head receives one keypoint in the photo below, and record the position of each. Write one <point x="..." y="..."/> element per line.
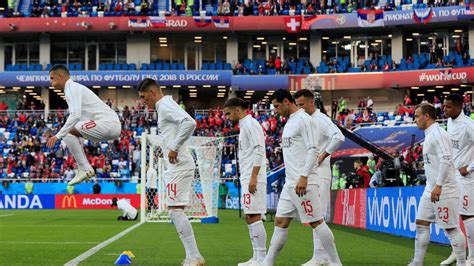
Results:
<point x="60" y="69"/>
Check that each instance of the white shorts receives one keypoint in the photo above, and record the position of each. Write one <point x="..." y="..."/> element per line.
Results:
<point x="307" y="208"/>
<point x="254" y="203"/>
<point x="324" y="195"/>
<point x="445" y="212"/>
<point x="467" y="198"/>
<point x="100" y="130"/>
<point x="178" y="187"/>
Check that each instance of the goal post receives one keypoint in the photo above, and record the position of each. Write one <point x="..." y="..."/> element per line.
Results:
<point x="207" y="155"/>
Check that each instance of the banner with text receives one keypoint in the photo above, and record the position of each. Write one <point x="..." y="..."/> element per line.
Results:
<point x="378" y="80"/>
<point x="121" y="78"/>
<point x="27" y="201"/>
<point x="349" y="208"/>
<point x="93" y="201"/>
<point x="393" y="211"/>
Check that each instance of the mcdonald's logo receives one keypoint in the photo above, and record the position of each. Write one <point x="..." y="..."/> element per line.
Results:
<point x="70" y="200"/>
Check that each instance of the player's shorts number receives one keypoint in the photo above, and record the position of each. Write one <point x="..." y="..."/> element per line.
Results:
<point x="247" y="198"/>
<point x="443" y="213"/>
<point x="308" y="208"/>
<point x="465" y="201"/>
<point x="171" y="189"/>
<point x="90" y="124"/>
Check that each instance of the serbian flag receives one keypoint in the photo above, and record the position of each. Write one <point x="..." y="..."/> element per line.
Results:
<point x="202" y="21"/>
<point x="292" y="24"/>
<point x="370" y="18"/>
<point x="221" y="21"/>
<point x="158" y="22"/>
<point x="423" y="15"/>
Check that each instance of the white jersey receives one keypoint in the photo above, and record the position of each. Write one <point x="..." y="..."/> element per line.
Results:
<point x="151" y="178"/>
<point x="461" y="132"/>
<point x="300" y="148"/>
<point x="251" y="149"/>
<point x="83" y="104"/>
<point x="175" y="127"/>
<point x="329" y="140"/>
<point x="127" y="209"/>
<point x="438" y="162"/>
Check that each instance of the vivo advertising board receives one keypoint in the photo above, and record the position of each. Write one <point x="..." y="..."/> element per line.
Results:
<point x="393" y="211"/>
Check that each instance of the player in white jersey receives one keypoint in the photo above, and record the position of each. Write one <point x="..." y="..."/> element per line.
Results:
<point x="440" y="200"/>
<point x="175" y="127"/>
<point x="89" y="118"/>
<point x="329" y="139"/>
<point x="128" y="211"/>
<point x="461" y="132"/>
<point x="300" y="196"/>
<point x="253" y="179"/>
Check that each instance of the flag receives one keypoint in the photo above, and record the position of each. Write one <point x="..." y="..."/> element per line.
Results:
<point x="308" y="21"/>
<point x="370" y="18"/>
<point x="423" y="15"/>
<point x="469" y="8"/>
<point x="202" y="21"/>
<point x="293" y="24"/>
<point x="158" y="22"/>
<point x="221" y="21"/>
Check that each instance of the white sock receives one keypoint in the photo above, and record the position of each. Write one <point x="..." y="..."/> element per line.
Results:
<point x="421" y="242"/>
<point x="258" y="236"/>
<point x="318" y="249"/>
<point x="469" y="226"/>
<point x="280" y="235"/>
<point x="458" y="243"/>
<point x="254" y="247"/>
<point x="324" y="234"/>
<point x="74" y="145"/>
<point x="186" y="234"/>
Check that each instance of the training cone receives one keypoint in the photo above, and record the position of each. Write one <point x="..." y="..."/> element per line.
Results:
<point x="123" y="259"/>
<point x="129" y="253"/>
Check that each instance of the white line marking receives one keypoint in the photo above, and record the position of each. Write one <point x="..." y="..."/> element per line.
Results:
<point x="6" y="215"/>
<point x="112" y="254"/>
<point x="94" y="250"/>
<point x="43" y="242"/>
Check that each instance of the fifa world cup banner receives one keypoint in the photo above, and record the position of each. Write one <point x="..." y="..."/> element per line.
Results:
<point x="93" y="201"/>
<point x="378" y="80"/>
<point x="349" y="208"/>
<point x="26" y="202"/>
<point x="393" y="211"/>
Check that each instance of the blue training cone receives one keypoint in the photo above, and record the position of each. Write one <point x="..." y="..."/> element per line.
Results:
<point x="123" y="259"/>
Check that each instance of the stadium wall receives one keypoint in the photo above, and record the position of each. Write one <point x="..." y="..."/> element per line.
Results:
<point x="61" y="188"/>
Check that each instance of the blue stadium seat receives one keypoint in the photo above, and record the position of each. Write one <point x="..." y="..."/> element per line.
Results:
<point x="9" y="67"/>
<point x="166" y="66"/>
<point x="102" y="67"/>
<point x="132" y="66"/>
<point x="181" y="66"/>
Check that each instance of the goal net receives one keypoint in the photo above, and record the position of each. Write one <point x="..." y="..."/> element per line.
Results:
<point x="207" y="154"/>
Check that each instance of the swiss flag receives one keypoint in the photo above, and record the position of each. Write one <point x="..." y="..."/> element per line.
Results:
<point x="293" y="24"/>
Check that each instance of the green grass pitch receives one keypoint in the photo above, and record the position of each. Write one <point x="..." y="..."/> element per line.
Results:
<point x="53" y="237"/>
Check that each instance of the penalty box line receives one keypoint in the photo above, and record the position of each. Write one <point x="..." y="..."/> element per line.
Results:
<point x="100" y="246"/>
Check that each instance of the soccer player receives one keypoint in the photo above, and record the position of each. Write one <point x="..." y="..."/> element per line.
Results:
<point x="175" y="127"/>
<point x="461" y="132"/>
<point x="329" y="140"/>
<point x="440" y="200"/>
<point x="252" y="166"/>
<point x="129" y="212"/>
<point x="300" y="196"/>
<point x="89" y="118"/>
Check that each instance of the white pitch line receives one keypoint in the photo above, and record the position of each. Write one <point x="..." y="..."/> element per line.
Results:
<point x="44" y="242"/>
<point x="94" y="250"/>
<point x="6" y="215"/>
